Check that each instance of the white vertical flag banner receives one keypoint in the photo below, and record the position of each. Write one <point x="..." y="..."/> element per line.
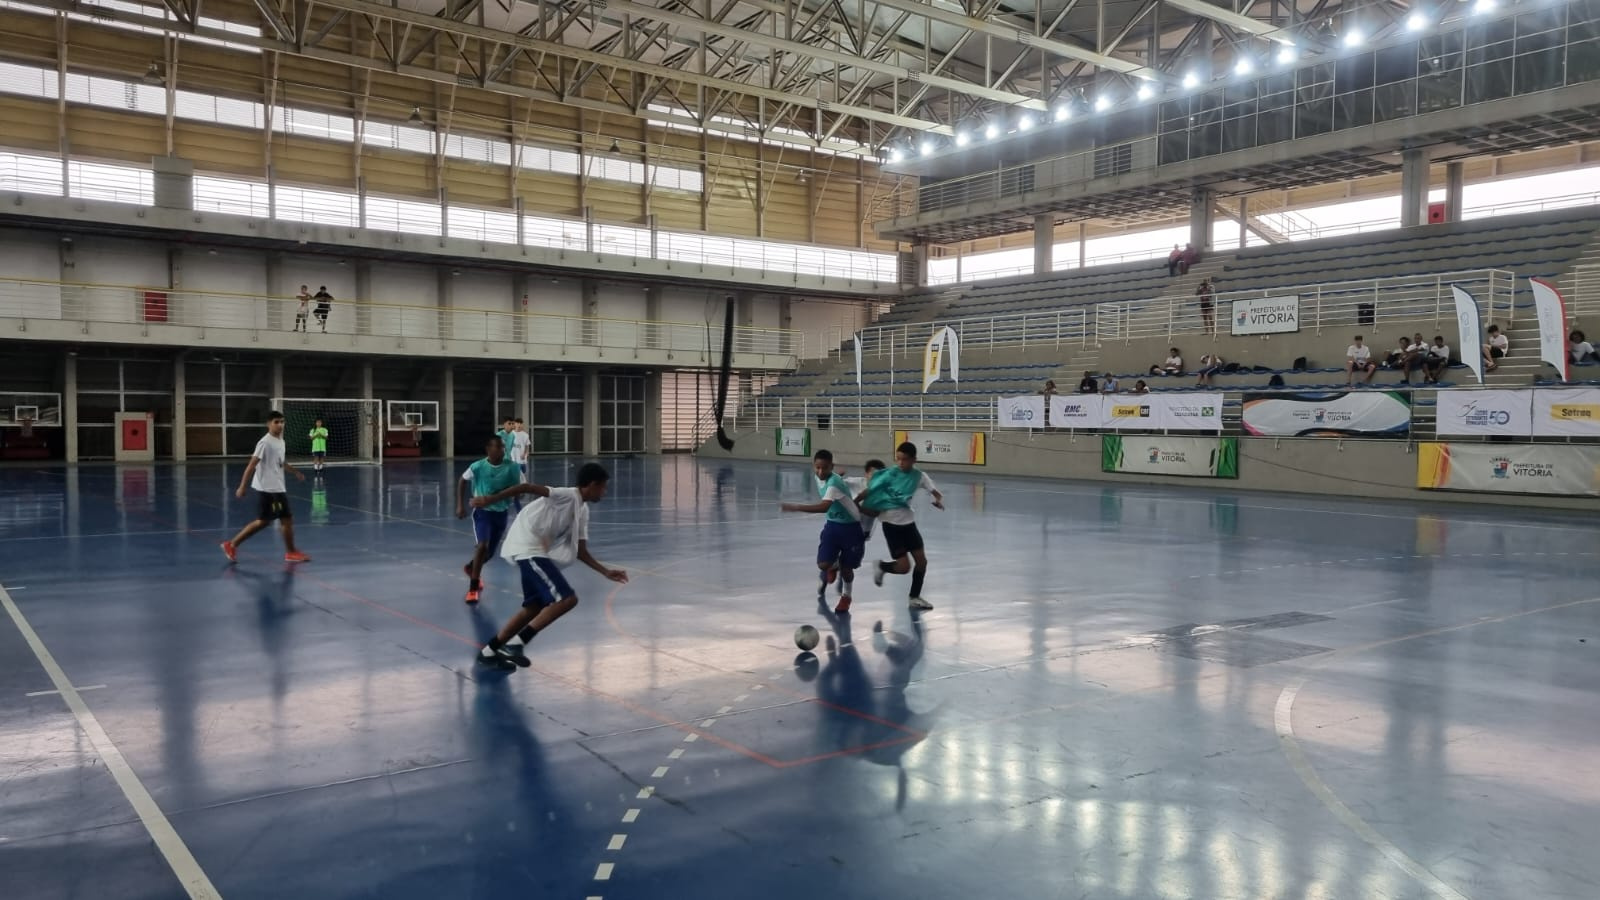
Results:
<point x="934" y="353"/>
<point x="1552" y="311"/>
<point x="858" y="360"/>
<point x="1470" y="331"/>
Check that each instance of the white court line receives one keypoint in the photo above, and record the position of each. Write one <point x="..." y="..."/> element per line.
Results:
<point x="90" y="687"/>
<point x="190" y="875"/>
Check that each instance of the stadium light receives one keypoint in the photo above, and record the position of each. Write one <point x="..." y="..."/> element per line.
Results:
<point x="1191" y="80"/>
<point x="1482" y="7"/>
<point x="1354" y="38"/>
<point x="896" y="156"/>
<point x="1287" y="54"/>
<point x="1416" y="21"/>
<point x="991" y="132"/>
<point x="1063" y="113"/>
<point x="1145" y="91"/>
<point x="1102" y="103"/>
<point x="927" y="148"/>
<point x="1025" y="123"/>
<point x="962" y="139"/>
<point x="1244" y="66"/>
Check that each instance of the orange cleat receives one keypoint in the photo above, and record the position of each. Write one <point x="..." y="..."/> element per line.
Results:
<point x="296" y="556"/>
<point x="472" y="596"/>
<point x="229" y="551"/>
<point x="844" y="605"/>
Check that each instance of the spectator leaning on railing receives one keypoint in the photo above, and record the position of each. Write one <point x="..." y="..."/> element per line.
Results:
<point x="1108" y="383"/>
<point x="1088" y="385"/>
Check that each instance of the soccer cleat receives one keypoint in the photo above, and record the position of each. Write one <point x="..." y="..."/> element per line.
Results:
<point x="517" y="653"/>
<point x="919" y="603"/>
<point x="497" y="661"/>
<point x="877" y="573"/>
<point x="472" y="596"/>
<point x="296" y="556"/>
<point x="844" y="605"/>
<point x="229" y="551"/>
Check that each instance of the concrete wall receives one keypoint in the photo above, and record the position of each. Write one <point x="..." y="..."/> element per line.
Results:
<point x="1376" y="469"/>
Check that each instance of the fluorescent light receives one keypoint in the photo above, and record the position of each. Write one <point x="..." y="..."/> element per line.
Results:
<point x="896" y="156"/>
<point x="1416" y="22"/>
<point x="962" y="139"/>
<point x="1244" y="66"/>
<point x="991" y="132"/>
<point x="1063" y="113"/>
<point x="927" y="148"/>
<point x="1287" y="54"/>
<point x="1354" y="38"/>
<point x="1191" y="80"/>
<point x="1025" y="123"/>
<point x="1483" y="6"/>
<point x="1102" y="103"/>
<point x="1145" y="92"/>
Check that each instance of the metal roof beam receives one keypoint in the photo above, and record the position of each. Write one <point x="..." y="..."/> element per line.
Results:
<point x="1021" y="36"/>
<point x="1236" y="21"/>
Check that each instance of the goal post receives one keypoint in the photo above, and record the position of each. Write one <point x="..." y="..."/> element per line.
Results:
<point x="355" y="428"/>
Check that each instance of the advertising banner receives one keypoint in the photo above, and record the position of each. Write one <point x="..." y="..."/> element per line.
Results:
<point x="1268" y="315"/>
<point x="959" y="447"/>
<point x="1566" y="412"/>
<point x="1564" y="469"/>
<point x="1552" y="310"/>
<point x="1076" y="411"/>
<point x="1021" y="412"/>
<point x="1328" y="415"/>
<point x="794" y="442"/>
<point x="1469" y="331"/>
<point x="1129" y="413"/>
<point x="1188" y="412"/>
<point x="943" y="342"/>
<point x="1466" y="413"/>
<point x="1195" y="457"/>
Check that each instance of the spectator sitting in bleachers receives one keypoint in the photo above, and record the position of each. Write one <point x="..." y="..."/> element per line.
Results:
<point x="1088" y="385"/>
<point x="1210" y="364"/>
<point x="1579" y="348"/>
<point x="1358" y="358"/>
<point x="1173" y="365"/>
<point x="1496" y="349"/>
<point x="1139" y="387"/>
<point x="1397" y="357"/>
<point x="1438" y="358"/>
<point x="1048" y="391"/>
<point x="1108" y="383"/>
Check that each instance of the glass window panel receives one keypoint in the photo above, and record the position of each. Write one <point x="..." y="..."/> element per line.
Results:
<point x="1441" y="91"/>
<point x="1397" y="63"/>
<point x="1354" y="73"/>
<point x="1539" y="71"/>
<point x="1489" y="81"/>
<point x="99" y="375"/>
<point x="203" y="410"/>
<point x="98" y="409"/>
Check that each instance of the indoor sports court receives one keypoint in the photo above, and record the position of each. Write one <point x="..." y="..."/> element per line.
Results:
<point x="1122" y="691"/>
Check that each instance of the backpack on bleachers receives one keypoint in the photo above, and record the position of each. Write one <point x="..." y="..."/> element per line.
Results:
<point x="1299" y="364"/>
<point x="1275" y="381"/>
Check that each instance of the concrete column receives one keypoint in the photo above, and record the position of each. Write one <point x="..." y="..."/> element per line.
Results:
<point x="591" y="411"/>
<point x="652" y="412"/>
<point x="1083" y="244"/>
<point x="363" y="297"/>
<point x="1202" y="216"/>
<point x="744" y="309"/>
<point x="1044" y="239"/>
<point x="1455" y="184"/>
<point x="173" y="182"/>
<point x="69" y="405"/>
<point x="1244" y="221"/>
<point x="447" y="412"/>
<point x="591" y="312"/>
<point x="445" y="299"/>
<point x="369" y="442"/>
<point x="180" y="410"/>
<point x="520" y="304"/>
<point x="919" y="260"/>
<point x="276" y="368"/>
<point x="1413" y="187"/>
<point x="277" y="290"/>
<point x="519" y="396"/>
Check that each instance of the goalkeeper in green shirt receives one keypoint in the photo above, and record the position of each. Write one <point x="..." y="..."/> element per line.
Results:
<point x="319" y="445"/>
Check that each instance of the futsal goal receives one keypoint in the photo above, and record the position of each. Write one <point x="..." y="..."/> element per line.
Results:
<point x="24" y="420"/>
<point x="354" y="428"/>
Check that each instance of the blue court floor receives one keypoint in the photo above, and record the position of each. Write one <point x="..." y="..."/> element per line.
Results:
<point x="1124" y="692"/>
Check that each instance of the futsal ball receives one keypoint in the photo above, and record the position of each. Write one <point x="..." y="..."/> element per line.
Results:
<point x="806" y="637"/>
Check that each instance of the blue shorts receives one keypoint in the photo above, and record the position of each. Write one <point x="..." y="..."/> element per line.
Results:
<point x="488" y="526"/>
<point x="542" y="582"/>
<point x="842" y="541"/>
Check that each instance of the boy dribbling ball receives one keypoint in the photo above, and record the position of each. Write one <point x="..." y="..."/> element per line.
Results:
<point x="843" y="542"/>
<point x="265" y="474"/>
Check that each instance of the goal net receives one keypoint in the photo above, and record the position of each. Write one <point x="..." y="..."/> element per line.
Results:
<point x="354" y="428"/>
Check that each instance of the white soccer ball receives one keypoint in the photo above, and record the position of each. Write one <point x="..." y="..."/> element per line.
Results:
<point x="806" y="637"/>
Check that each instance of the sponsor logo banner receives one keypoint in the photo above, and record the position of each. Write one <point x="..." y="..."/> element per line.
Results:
<point x="1021" y="412"/>
<point x="1566" y="412"/>
<point x="1469" y="331"/>
<point x="1268" y="315"/>
<point x="1135" y="414"/>
<point x="1076" y="411"/>
<point x="1189" y="412"/>
<point x="1552" y="310"/>
<point x="943" y="342"/>
<point x="958" y="447"/>
<point x="1328" y="415"/>
<point x="794" y="442"/>
<point x="1561" y="469"/>
<point x="1462" y="413"/>
<point x="1194" y="457"/>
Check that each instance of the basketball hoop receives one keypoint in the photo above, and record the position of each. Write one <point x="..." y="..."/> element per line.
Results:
<point x="27" y="426"/>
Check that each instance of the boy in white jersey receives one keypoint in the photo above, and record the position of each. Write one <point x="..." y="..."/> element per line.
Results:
<point x="265" y="475"/>
<point x="518" y="448"/>
<point x="549" y="535"/>
<point x="889" y="494"/>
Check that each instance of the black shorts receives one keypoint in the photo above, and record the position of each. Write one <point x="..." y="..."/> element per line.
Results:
<point x="902" y="539"/>
<point x="273" y="506"/>
<point x="322" y="311"/>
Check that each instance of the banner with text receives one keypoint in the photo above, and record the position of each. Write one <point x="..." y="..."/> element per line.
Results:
<point x="1328" y="415"/>
<point x="1561" y="469"/>
<point x="1552" y="311"/>
<point x="1076" y="411"/>
<point x="1469" y="331"/>
<point x="794" y="442"/>
<point x="1194" y="457"/>
<point x="1566" y="412"/>
<point x="1188" y="412"/>
<point x="1267" y="315"/>
<point x="959" y="447"/>
<point x="1464" y="413"/>
<point x="1021" y="412"/>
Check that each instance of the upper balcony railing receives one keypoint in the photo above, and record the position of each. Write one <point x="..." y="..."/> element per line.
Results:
<point x="247" y="317"/>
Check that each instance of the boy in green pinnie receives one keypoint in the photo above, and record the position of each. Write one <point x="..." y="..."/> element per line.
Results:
<point x="319" y="445"/>
<point x="889" y="496"/>
<point x="843" y="544"/>
<point x="486" y="477"/>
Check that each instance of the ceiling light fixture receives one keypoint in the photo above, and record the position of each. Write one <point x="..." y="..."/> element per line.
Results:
<point x="1025" y="123"/>
<point x="1102" y="103"/>
<point x="1063" y="113"/>
<point x="992" y="131"/>
<point x="962" y="139"/>
<point x="1190" y="80"/>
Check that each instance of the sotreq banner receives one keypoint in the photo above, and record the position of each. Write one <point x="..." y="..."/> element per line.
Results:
<point x="1328" y="415"/>
<point x="1194" y="457"/>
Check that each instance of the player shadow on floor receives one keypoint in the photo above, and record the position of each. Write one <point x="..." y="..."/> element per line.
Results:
<point x="274" y="602"/>
<point x="844" y="683"/>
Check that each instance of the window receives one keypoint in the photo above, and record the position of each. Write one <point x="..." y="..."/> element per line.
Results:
<point x="116" y="94"/>
<point x="110" y="386"/>
<point x="313" y="124"/>
<point x="476" y="149"/>
<point x="622" y="413"/>
<point x="409" y="216"/>
<point x="547" y="159"/>
<point x="476" y="224"/>
<point x="28" y="81"/>
<point x="561" y="234"/>
<point x="119" y="184"/>
<point x="30" y="174"/>
<point x="217" y="110"/>
<point x="321" y="207"/>
<point x="235" y="197"/>
<point x="226" y="408"/>
<point x="557" y="422"/>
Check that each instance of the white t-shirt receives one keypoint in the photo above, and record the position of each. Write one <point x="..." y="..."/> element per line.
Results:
<point x="1359" y="354"/>
<point x="857" y="485"/>
<point x="1174" y="362"/>
<point x="834" y="495"/>
<point x="1109" y="386"/>
<point x="1499" y="342"/>
<point x="519" y="447"/>
<point x="550" y="527"/>
<point x="1416" y="347"/>
<point x="1440" y="352"/>
<point x="904" y="515"/>
<point x="268" y="477"/>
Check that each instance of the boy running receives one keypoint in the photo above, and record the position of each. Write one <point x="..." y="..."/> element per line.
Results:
<point x="486" y="477"/>
<point x="843" y="544"/>
<point x="889" y="496"/>
<point x="319" y="445"/>
<point x="858" y="486"/>
<point x="547" y="536"/>
<point x="265" y="474"/>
